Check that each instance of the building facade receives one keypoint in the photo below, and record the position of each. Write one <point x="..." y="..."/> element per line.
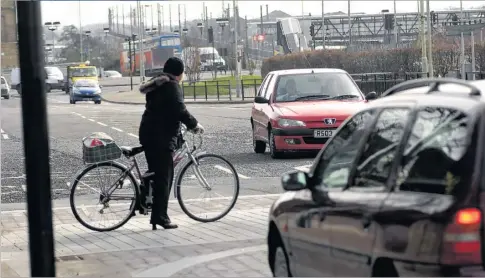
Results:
<point x="9" y="38"/>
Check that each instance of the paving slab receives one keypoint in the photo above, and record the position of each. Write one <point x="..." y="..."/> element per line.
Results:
<point x="135" y="249"/>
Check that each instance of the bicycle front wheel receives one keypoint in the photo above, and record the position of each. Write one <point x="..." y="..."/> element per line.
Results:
<point x="104" y="196"/>
<point x="212" y="176"/>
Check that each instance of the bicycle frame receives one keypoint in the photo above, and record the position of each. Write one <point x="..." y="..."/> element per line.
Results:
<point x="179" y="155"/>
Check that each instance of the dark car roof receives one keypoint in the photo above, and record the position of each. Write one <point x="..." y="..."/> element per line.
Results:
<point x="451" y="96"/>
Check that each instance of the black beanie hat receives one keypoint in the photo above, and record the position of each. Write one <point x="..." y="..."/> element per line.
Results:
<point x="174" y="66"/>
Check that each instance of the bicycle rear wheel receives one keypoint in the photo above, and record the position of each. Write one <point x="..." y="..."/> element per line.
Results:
<point x="190" y="180"/>
<point x="91" y="184"/>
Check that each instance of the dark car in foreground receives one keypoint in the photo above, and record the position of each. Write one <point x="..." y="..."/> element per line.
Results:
<point x="399" y="190"/>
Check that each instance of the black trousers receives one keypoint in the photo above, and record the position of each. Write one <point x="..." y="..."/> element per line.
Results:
<point x="160" y="162"/>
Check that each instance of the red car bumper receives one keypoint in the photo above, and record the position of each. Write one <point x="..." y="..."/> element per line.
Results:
<point x="295" y="139"/>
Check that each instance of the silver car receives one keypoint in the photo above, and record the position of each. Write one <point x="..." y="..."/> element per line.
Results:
<point x="5" y="88"/>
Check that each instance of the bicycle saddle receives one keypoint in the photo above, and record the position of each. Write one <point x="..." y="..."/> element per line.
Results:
<point x="131" y="151"/>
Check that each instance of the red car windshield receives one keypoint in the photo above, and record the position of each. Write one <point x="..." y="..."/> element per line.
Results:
<point x="312" y="86"/>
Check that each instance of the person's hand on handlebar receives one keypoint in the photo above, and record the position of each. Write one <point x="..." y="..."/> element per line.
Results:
<point x="199" y="129"/>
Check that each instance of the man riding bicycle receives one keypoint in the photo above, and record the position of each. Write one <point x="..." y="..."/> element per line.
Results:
<point x="160" y="132"/>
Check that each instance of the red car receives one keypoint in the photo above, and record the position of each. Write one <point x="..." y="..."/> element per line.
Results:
<point x="301" y="109"/>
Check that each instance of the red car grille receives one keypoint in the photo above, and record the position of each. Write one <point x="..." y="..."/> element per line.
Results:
<point x="312" y="140"/>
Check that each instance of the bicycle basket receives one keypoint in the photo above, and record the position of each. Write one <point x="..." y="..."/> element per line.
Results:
<point x="100" y="147"/>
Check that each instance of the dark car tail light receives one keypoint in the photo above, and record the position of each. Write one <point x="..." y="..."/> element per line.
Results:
<point x="462" y="239"/>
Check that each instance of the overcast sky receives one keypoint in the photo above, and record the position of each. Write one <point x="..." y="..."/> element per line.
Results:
<point x="67" y="12"/>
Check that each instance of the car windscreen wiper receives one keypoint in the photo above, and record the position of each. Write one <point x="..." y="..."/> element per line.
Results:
<point x="345" y="97"/>
<point x="312" y="97"/>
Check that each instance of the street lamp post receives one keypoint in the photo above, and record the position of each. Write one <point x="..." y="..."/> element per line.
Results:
<point x="52" y="26"/>
<point x="106" y="31"/>
<point x="430" y="41"/>
<point x="131" y="56"/>
<point x="222" y="23"/>
<point x="462" y="44"/>
<point x="200" y="26"/>
<point x="236" y="50"/>
<point x="88" y="34"/>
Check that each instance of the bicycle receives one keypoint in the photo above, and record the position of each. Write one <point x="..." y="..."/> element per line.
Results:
<point x="142" y="199"/>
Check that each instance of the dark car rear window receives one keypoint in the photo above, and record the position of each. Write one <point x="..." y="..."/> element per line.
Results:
<point x="440" y="153"/>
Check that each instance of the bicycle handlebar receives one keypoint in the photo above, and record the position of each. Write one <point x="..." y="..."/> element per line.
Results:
<point x="185" y="131"/>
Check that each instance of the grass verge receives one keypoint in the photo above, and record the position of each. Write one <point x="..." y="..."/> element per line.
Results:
<point x="220" y="86"/>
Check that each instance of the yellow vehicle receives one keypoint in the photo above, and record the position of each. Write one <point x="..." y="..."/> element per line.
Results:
<point x="81" y="71"/>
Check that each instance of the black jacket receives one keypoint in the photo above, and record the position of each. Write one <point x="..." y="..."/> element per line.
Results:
<point x="164" y="111"/>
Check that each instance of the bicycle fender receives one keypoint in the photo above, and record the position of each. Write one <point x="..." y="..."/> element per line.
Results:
<point x="73" y="178"/>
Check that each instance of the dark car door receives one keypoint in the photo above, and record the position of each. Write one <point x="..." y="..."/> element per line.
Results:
<point x="260" y="119"/>
<point x="309" y="234"/>
<point x="436" y="171"/>
<point x="351" y="221"/>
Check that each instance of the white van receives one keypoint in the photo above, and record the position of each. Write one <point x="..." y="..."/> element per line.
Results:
<point x="208" y="56"/>
<point x="54" y="78"/>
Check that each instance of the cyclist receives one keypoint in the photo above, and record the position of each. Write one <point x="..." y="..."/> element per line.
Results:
<point x="159" y="133"/>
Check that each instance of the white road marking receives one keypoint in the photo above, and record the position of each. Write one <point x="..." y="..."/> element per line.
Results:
<point x="133" y="135"/>
<point x="11" y="192"/>
<point x="4" y="135"/>
<point x="83" y="117"/>
<point x="304" y="168"/>
<point x="224" y="169"/>
<point x="117" y="129"/>
<point x="55" y="100"/>
<point x="100" y="123"/>
<point x="91" y="120"/>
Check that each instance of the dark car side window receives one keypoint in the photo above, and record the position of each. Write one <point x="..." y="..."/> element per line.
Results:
<point x="337" y="158"/>
<point x="374" y="165"/>
<point x="438" y="157"/>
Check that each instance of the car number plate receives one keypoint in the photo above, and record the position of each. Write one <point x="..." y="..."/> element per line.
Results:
<point x="323" y="133"/>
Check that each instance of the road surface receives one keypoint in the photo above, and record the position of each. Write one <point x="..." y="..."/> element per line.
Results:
<point x="228" y="133"/>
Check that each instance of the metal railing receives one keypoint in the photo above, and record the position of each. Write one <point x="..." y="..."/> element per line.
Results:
<point x="380" y="82"/>
<point x="479" y="75"/>
<point x="217" y="90"/>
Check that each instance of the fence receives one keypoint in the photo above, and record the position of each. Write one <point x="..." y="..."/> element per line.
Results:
<point x="220" y="89"/>
<point x="226" y="89"/>
<point x="380" y="82"/>
<point x="478" y="75"/>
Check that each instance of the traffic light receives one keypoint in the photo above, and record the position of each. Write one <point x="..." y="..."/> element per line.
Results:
<point x="434" y="17"/>
<point x="210" y="33"/>
<point x="312" y="30"/>
<point x="389" y="21"/>
<point x="454" y="19"/>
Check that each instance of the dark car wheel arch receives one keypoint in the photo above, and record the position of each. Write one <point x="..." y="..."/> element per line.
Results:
<point x="384" y="267"/>
<point x="272" y="147"/>
<point x="274" y="241"/>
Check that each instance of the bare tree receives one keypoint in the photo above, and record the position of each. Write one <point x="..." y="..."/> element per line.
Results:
<point x="191" y="57"/>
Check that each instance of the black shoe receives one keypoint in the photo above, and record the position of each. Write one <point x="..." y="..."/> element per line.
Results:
<point x="166" y="224"/>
